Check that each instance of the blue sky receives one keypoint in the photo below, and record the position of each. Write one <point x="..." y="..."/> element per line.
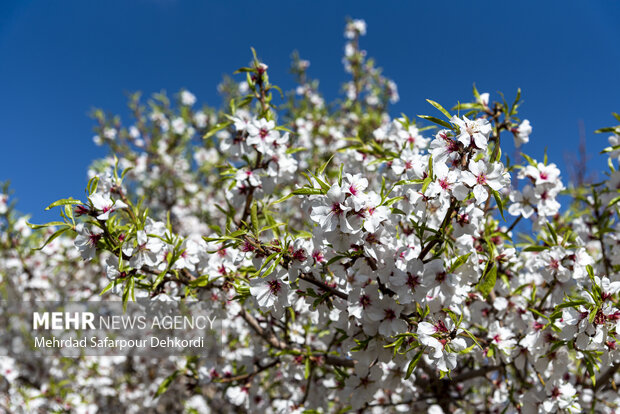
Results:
<point x="60" y="59"/>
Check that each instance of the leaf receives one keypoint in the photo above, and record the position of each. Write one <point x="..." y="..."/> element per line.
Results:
<point x="216" y="128"/>
<point x="166" y="383"/>
<point x="535" y="248"/>
<point x="472" y="105"/>
<point x="498" y="200"/>
<point x="553" y="233"/>
<point x="610" y="149"/>
<point x="108" y="287"/>
<point x="128" y="292"/>
<point x="436" y="121"/>
<point x="486" y="285"/>
<point x="613" y="201"/>
<point x="427" y="182"/>
<point x="605" y="130"/>
<point x="40" y="226"/>
<point x="515" y="104"/>
<point x="254" y="215"/>
<point x="529" y="159"/>
<point x="307" y="368"/>
<point x="63" y="202"/>
<point x="459" y="262"/>
<point x="306" y="191"/>
<point x="473" y="338"/>
<point x="324" y="166"/>
<point x="92" y="185"/>
<point x="476" y="94"/>
<point x="413" y="363"/>
<point x="440" y="108"/>
<point x="286" y="197"/>
<point x="53" y="236"/>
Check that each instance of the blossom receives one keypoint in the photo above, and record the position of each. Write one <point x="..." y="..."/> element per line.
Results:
<point x="271" y="292"/>
<point x="87" y="239"/>
<point x="479" y="178"/>
<point x="474" y="132"/>
<point x="443" y="148"/>
<point x="145" y="250"/>
<point x="387" y="314"/>
<point x="104" y="204"/>
<point x="522" y="133"/>
<point x="332" y="211"/>
<point x="188" y="98"/>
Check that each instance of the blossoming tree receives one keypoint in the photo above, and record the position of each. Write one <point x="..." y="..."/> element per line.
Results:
<point x="363" y="263"/>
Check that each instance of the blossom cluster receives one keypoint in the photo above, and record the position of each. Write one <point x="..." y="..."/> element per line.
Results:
<point x="361" y="262"/>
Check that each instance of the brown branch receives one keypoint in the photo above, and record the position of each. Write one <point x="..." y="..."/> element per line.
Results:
<point x="323" y="286"/>
<point x="271" y="338"/>
<point x="252" y="374"/>
<point x="476" y="373"/>
<point x="444" y="224"/>
<point x="606" y="377"/>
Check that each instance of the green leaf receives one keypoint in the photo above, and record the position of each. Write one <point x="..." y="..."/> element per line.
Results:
<point x="63" y="202"/>
<point x="459" y="262"/>
<point x="476" y="94"/>
<point x="613" y="201"/>
<point x="128" y="292"/>
<point x="108" y="287"/>
<point x="436" y="121"/>
<point x="306" y="191"/>
<point x="440" y="108"/>
<point x="535" y="248"/>
<point x="473" y="338"/>
<point x="50" y="224"/>
<point x="53" y="236"/>
<point x="216" y="128"/>
<point x="166" y="383"/>
<point x="286" y="197"/>
<point x="324" y="166"/>
<point x="529" y="159"/>
<point x="486" y="285"/>
<point x="472" y="105"/>
<point x="427" y="182"/>
<point x="605" y="130"/>
<point x="498" y="200"/>
<point x="553" y="233"/>
<point x="92" y="185"/>
<point x="254" y="216"/>
<point x="307" y="368"/>
<point x="515" y="104"/>
<point x="413" y="363"/>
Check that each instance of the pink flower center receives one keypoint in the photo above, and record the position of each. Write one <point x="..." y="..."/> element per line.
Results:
<point x="441" y="327"/>
<point x="413" y="281"/>
<point x="274" y="286"/>
<point x="300" y="255"/>
<point x="336" y="209"/>
<point x="263" y="133"/>
<point x="93" y="239"/>
<point x="444" y="184"/>
<point x="390" y="314"/>
<point x="318" y="256"/>
<point x="481" y="179"/>
<point x="440" y="277"/>
<point x="365" y="301"/>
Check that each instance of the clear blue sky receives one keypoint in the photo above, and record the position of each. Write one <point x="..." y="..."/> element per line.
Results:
<point x="60" y="59"/>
